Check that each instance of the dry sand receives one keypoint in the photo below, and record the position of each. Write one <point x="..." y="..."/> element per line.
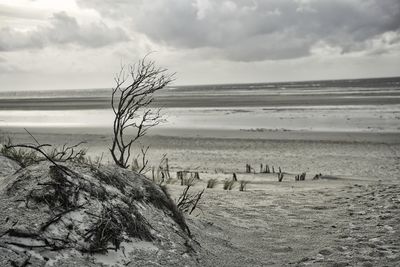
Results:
<point x="312" y="223"/>
<point x="351" y="219"/>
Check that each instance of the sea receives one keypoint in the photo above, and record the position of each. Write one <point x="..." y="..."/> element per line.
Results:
<point x="355" y="105"/>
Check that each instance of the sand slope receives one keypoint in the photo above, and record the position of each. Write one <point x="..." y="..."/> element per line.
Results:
<point x="82" y="215"/>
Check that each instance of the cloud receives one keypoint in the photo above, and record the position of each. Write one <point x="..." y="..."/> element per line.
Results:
<point x="242" y="30"/>
<point x="7" y="68"/>
<point x="63" y="30"/>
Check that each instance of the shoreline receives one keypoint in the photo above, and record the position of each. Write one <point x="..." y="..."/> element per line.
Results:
<point x="201" y="101"/>
<point x="231" y="134"/>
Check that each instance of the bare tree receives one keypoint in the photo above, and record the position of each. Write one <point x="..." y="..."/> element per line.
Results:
<point x="130" y="102"/>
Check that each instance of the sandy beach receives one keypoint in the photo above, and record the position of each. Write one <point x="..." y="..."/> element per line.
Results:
<point x="349" y="218"/>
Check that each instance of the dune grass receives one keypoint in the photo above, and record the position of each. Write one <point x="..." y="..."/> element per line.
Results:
<point x="242" y="185"/>
<point x="211" y="183"/>
<point x="228" y="184"/>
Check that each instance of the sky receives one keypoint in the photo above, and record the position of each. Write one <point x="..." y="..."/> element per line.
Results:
<point x="68" y="44"/>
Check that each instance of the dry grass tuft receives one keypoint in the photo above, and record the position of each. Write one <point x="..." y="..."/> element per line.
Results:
<point x="188" y="181"/>
<point x="211" y="183"/>
<point x="242" y="185"/>
<point x="229" y="184"/>
<point x="111" y="225"/>
<point x="160" y="198"/>
<point x="25" y="157"/>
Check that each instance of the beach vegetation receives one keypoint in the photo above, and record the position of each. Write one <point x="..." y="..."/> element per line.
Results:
<point x="161" y="174"/>
<point x="93" y="162"/>
<point x="22" y="156"/>
<point x="211" y="183"/>
<point x="140" y="163"/>
<point x="30" y="154"/>
<point x="242" y="185"/>
<point x="132" y="95"/>
<point x="163" y="200"/>
<point x="229" y="184"/>
<point x="187" y="202"/>
<point x="188" y="181"/>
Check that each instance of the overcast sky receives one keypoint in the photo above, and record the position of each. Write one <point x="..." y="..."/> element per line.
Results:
<point x="48" y="44"/>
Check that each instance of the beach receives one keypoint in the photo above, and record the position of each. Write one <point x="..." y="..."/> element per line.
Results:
<point x="350" y="217"/>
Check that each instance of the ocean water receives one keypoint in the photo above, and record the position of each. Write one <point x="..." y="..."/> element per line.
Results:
<point x="366" y="105"/>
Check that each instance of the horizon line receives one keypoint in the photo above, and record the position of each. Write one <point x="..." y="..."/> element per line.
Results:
<point x="211" y="84"/>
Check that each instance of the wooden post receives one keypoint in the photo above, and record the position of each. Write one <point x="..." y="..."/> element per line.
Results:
<point x="248" y="168"/>
<point x="280" y="177"/>
<point x="234" y="177"/>
<point x="167" y="169"/>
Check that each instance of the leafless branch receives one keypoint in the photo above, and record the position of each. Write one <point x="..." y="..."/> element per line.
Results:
<point x="187" y="202"/>
<point x="39" y="149"/>
<point x="130" y="103"/>
<point x="68" y="153"/>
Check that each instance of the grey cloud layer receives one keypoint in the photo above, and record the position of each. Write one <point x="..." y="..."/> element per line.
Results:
<point x="63" y="29"/>
<point x="258" y="29"/>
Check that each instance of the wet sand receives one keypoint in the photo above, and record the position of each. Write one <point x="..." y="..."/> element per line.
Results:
<point x="197" y="100"/>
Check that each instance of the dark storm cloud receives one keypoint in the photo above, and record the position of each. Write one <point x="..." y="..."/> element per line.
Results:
<point x="63" y="29"/>
<point x="258" y="29"/>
